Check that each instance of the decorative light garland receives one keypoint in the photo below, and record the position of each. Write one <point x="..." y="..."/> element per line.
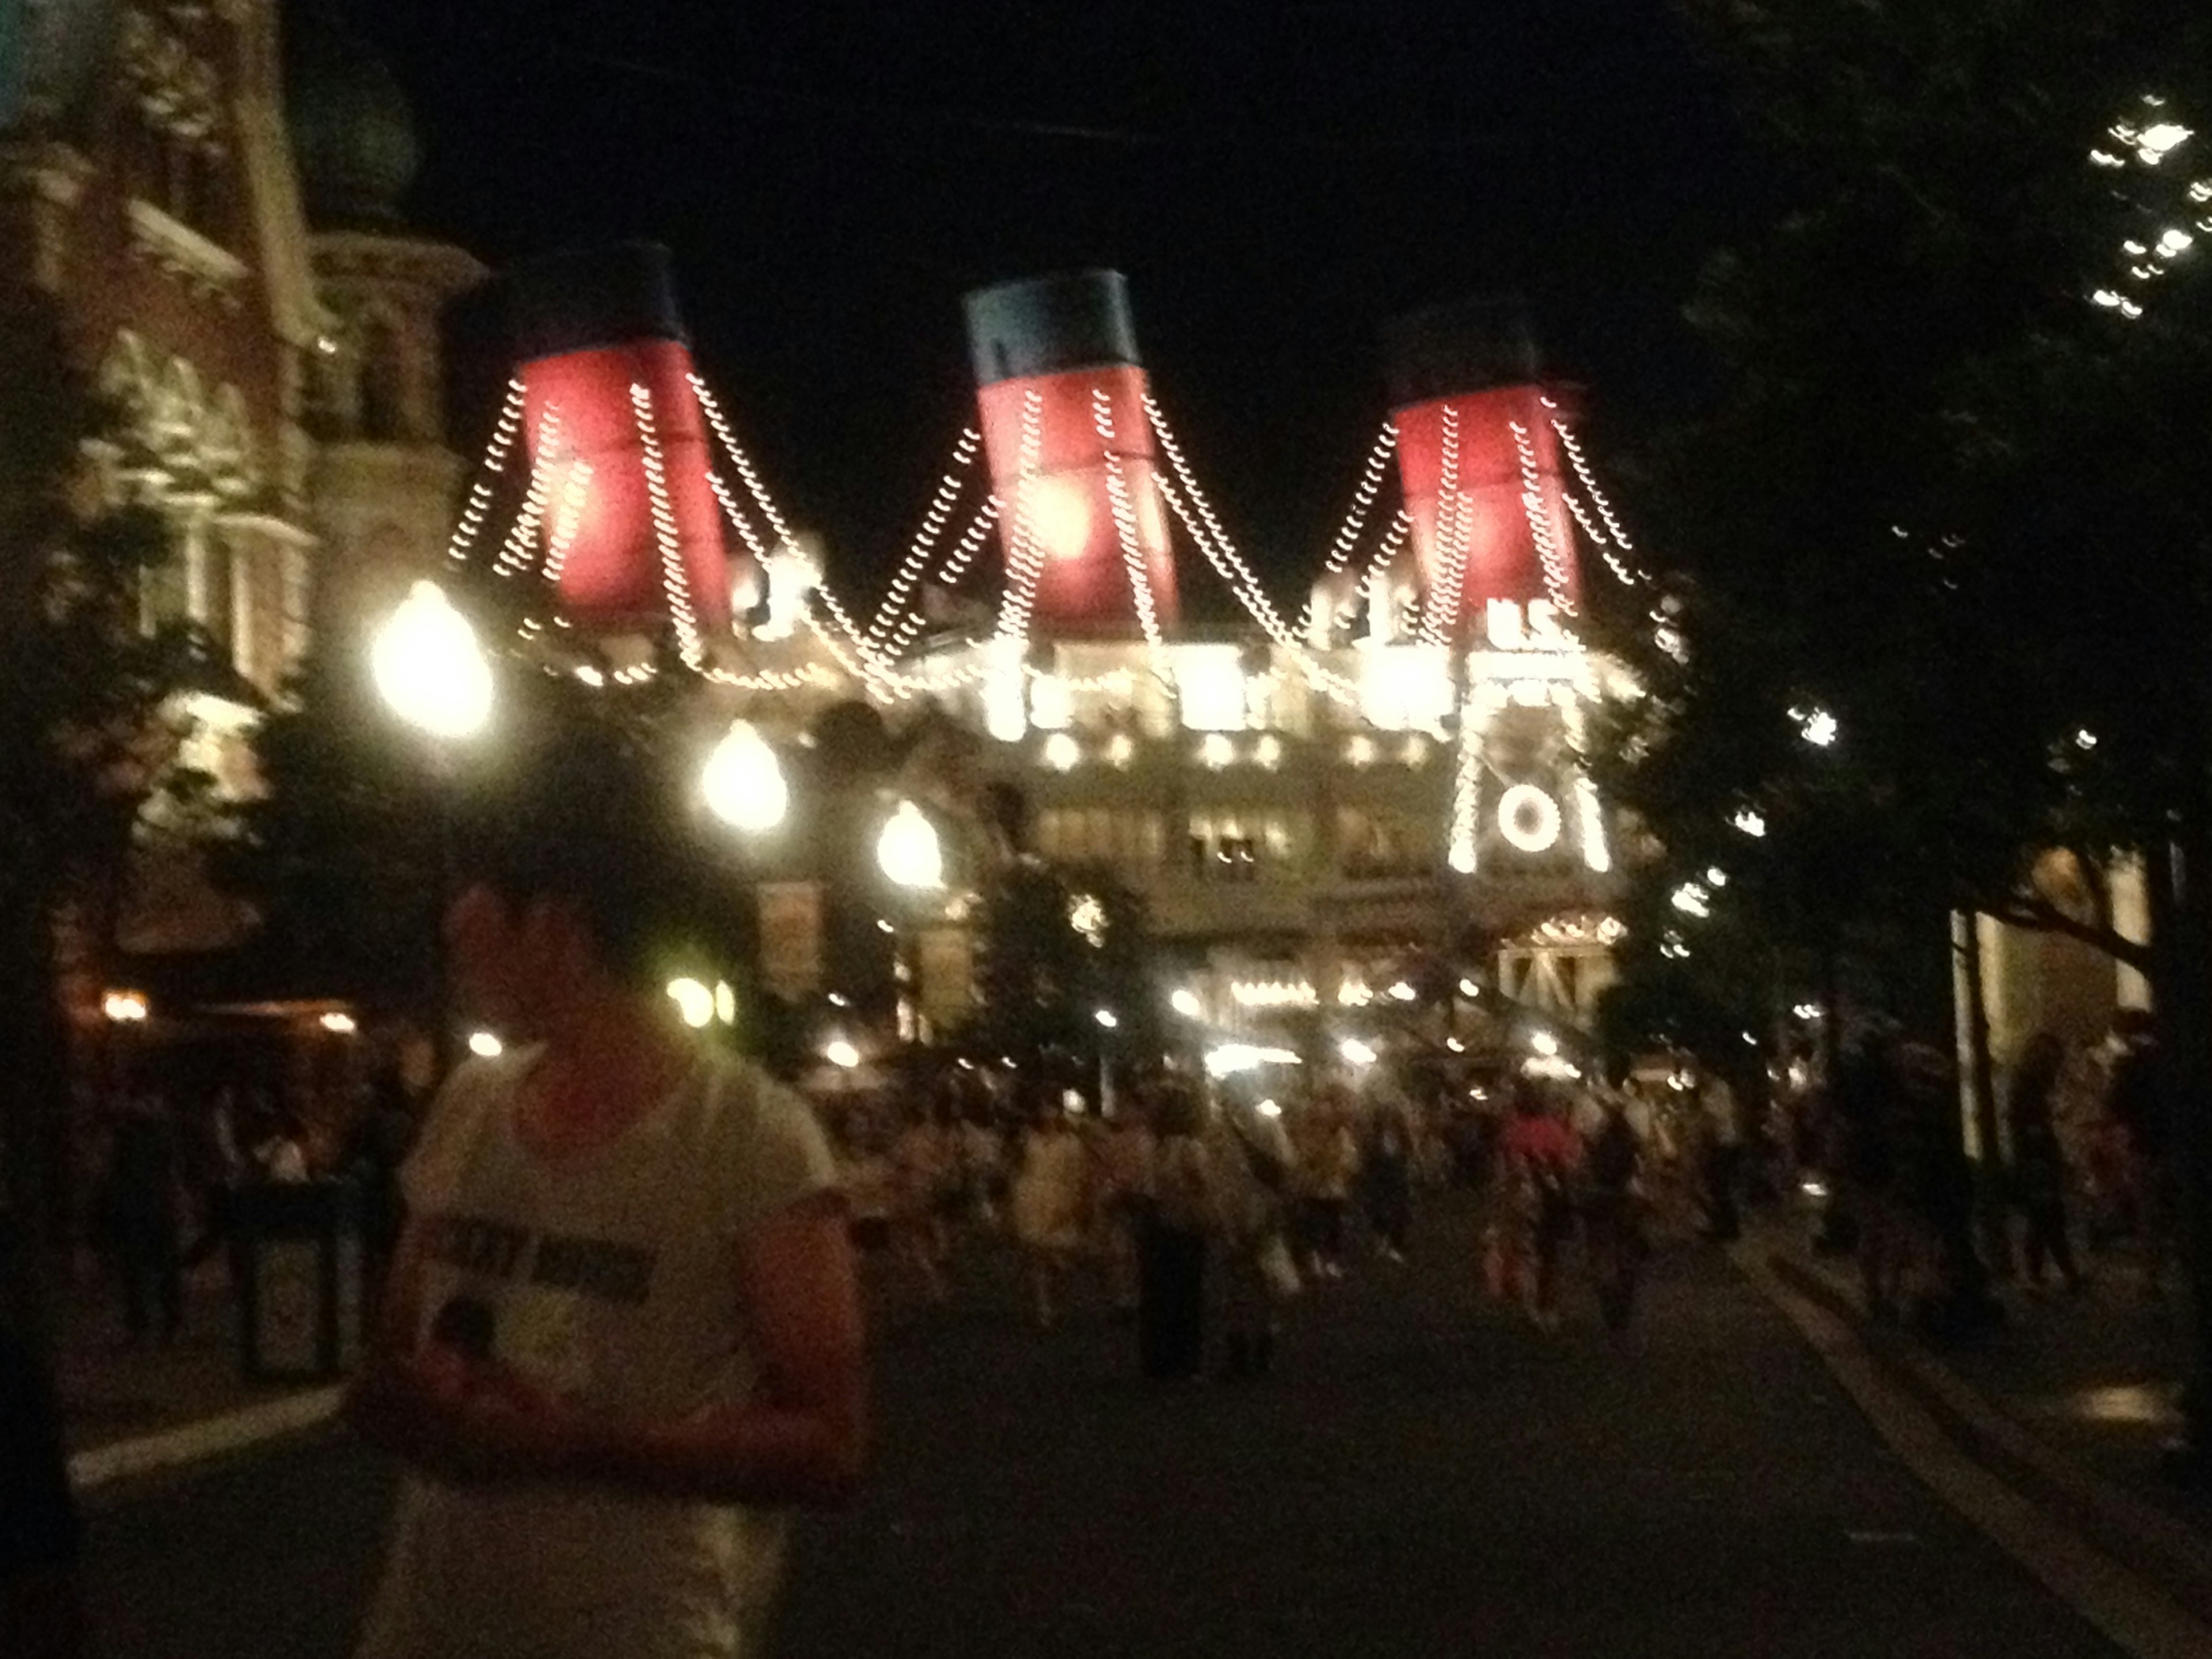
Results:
<point x="1355" y="520"/>
<point x="1615" y="537"/>
<point x="464" y="538"/>
<point x="742" y="461"/>
<point x="1548" y="551"/>
<point x="514" y="555"/>
<point x="955" y="567"/>
<point x="754" y="544"/>
<point x="1462" y="855"/>
<point x="890" y="613"/>
<point x="1125" y="531"/>
<point x="1025" y="552"/>
<point x="1440" y="614"/>
<point x="568" y="518"/>
<point x="1206" y="530"/>
<point x="676" y="581"/>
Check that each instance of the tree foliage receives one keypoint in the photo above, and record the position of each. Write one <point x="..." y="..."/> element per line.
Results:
<point x="1945" y="498"/>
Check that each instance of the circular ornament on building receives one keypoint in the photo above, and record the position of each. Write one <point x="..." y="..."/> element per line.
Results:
<point x="1528" y="818"/>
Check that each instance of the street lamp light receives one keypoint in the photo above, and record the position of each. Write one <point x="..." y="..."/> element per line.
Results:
<point x="743" y="781"/>
<point x="428" y="667"/>
<point x="908" y="851"/>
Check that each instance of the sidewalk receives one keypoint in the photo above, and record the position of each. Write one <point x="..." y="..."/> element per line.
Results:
<point x="129" y="1410"/>
<point x="2069" y="1401"/>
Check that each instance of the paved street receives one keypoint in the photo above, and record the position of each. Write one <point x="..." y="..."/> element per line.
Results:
<point x="1424" y="1477"/>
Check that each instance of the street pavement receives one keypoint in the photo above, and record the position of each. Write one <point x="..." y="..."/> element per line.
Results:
<point x="1423" y="1475"/>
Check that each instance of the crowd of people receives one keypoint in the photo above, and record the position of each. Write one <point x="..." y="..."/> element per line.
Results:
<point x="1193" y="1203"/>
<point x="167" y="1184"/>
<point x="2081" y="1158"/>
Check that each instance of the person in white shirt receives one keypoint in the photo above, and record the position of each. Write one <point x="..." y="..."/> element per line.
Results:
<point x="622" y="1333"/>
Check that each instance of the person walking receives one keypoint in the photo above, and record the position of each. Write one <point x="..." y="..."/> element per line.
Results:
<point x="1386" y="1177"/>
<point x="1720" y="1128"/>
<point x="1171" y="1260"/>
<point x="142" y="1197"/>
<point x="1539" y="1157"/>
<point x="1612" y="1221"/>
<point x="1250" y="1156"/>
<point x="2039" y="1165"/>
<point x="623" y="1334"/>
<point x="1051" y="1186"/>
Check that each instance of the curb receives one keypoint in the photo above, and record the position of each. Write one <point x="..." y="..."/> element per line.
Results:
<point x="212" y="1436"/>
<point x="2130" y="1587"/>
<point x="2148" y="1539"/>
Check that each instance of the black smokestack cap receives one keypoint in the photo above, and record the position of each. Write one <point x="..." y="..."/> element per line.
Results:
<point x="1469" y="345"/>
<point x="582" y="298"/>
<point x="1047" y="325"/>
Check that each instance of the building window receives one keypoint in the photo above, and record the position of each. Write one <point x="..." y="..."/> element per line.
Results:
<point x="1244" y="847"/>
<point x="1099" y="834"/>
<point x="383" y="382"/>
<point x="1378" y="844"/>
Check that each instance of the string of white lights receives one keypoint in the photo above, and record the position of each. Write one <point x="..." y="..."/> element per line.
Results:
<point x="742" y="461"/>
<point x="521" y="543"/>
<point x="1454" y="529"/>
<point x="1025" y="551"/>
<point x="754" y="544"/>
<point x="1615" y="537"/>
<point x="891" y="612"/>
<point x="955" y="567"/>
<point x="466" y="529"/>
<point x="1316" y="674"/>
<point x="1125" y="529"/>
<point x="1557" y="582"/>
<point x="1463" y="851"/>
<point x="785" y="679"/>
<point x="1220" y="552"/>
<point x="568" y="518"/>
<point x="1355" y="521"/>
<point x="675" y="580"/>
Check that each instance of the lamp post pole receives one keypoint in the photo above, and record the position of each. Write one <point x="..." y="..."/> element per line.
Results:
<point x="432" y="673"/>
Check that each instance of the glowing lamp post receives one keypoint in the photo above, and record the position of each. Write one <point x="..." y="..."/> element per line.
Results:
<point x="743" y="783"/>
<point x="429" y="669"/>
<point x="908" y="851"/>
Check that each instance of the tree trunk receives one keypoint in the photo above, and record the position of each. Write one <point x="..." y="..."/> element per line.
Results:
<point x="1981" y="1082"/>
<point x="2180" y="881"/>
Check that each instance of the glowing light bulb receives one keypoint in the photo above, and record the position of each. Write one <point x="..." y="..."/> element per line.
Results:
<point x="694" y="1000"/>
<point x="1185" y="1002"/>
<point x="485" y="1046"/>
<point x="908" y="851"/>
<point x="428" y="667"/>
<point x="839" y="1053"/>
<point x="743" y="781"/>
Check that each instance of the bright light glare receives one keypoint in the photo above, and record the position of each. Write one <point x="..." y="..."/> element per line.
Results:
<point x="2153" y="142"/>
<point x="1356" y="1053"/>
<point x="338" y="1024"/>
<point x="1228" y="1059"/>
<point x="726" y="1002"/>
<point x="1268" y="1108"/>
<point x="694" y="1000"/>
<point x="1062" y="752"/>
<point x="429" y="669"/>
<point x="743" y="781"/>
<point x="1185" y="1002"/>
<point x="908" y="851"/>
<point x="124" y="1007"/>
<point x="1693" y="900"/>
<point x="1716" y="877"/>
<point x="1750" y="822"/>
<point x="1544" y="1042"/>
<point x="839" y="1053"/>
<point x="485" y="1046"/>
<point x="1108" y="1018"/>
<point x="1402" y="992"/>
<point x="1817" y="727"/>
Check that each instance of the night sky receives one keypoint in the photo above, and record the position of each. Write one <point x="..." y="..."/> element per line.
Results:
<point x="1276" y="179"/>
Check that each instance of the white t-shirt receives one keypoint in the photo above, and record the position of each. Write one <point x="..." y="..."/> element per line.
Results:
<point x="609" y="1279"/>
